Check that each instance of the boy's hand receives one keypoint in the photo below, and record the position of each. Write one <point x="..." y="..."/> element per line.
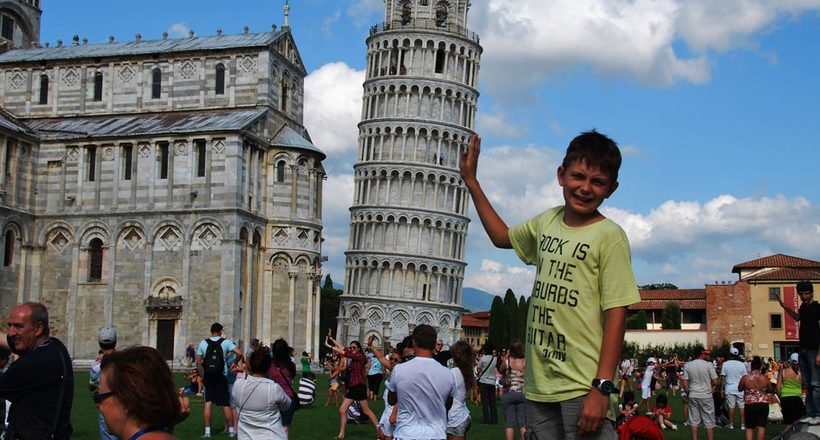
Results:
<point x="469" y="159"/>
<point x="593" y="411"/>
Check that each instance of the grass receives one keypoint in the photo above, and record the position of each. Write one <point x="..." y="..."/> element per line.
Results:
<point x="320" y="422"/>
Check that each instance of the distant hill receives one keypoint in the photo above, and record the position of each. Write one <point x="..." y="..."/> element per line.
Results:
<point x="476" y="300"/>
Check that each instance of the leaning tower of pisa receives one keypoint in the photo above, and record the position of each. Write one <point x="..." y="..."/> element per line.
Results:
<point x="408" y="223"/>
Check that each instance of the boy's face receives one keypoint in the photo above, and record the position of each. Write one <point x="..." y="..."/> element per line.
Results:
<point x="585" y="189"/>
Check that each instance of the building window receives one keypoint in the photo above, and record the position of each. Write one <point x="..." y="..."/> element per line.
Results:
<point x="220" y="79"/>
<point x="7" y="159"/>
<point x="156" y="83"/>
<point x="163" y="160"/>
<point x="91" y="153"/>
<point x="774" y="292"/>
<point x="200" y="157"/>
<point x="280" y="171"/>
<point x="95" y="257"/>
<point x="441" y="14"/>
<point x="98" y="85"/>
<point x="127" y="157"/>
<point x="285" y="90"/>
<point x="8" y="28"/>
<point x="440" y="59"/>
<point x="43" y="89"/>
<point x="775" y="321"/>
<point x="406" y="12"/>
<point x="8" y="255"/>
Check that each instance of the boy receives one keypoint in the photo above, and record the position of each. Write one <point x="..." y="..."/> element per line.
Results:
<point x="584" y="283"/>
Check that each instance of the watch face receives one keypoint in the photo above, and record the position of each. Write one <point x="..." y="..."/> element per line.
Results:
<point x="607" y="387"/>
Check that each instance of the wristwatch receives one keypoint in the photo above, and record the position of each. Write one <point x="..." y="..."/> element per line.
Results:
<point x="605" y="386"/>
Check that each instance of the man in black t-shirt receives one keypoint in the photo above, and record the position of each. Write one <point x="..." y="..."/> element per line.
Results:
<point x="809" y="317"/>
<point x="40" y="383"/>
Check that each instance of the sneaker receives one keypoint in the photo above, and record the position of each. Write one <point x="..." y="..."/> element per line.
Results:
<point x="206" y="435"/>
<point x="742" y="426"/>
<point x="814" y="421"/>
<point x="674" y="427"/>
<point x="806" y="419"/>
<point x="730" y="426"/>
<point x="231" y="434"/>
<point x="685" y="423"/>
<point x="663" y="427"/>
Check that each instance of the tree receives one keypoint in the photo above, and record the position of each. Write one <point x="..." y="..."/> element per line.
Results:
<point x="328" y="311"/>
<point x="670" y="318"/>
<point x="637" y="321"/>
<point x="523" y="309"/>
<point x="511" y="307"/>
<point x="498" y="323"/>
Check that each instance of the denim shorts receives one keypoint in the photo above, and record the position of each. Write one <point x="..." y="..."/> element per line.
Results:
<point x="461" y="429"/>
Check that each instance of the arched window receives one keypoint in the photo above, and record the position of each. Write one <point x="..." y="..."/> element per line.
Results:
<point x="98" y="85"/>
<point x="406" y="12"/>
<point x="8" y="255"/>
<point x="95" y="259"/>
<point x="43" y="89"/>
<point x="280" y="171"/>
<point x="156" y="83"/>
<point x="441" y="14"/>
<point x="220" y="79"/>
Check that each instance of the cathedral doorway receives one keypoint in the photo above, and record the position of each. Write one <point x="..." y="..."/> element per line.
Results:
<point x="166" y="338"/>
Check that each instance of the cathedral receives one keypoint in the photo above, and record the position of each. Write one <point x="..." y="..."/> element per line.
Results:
<point x="408" y="223"/>
<point x="159" y="185"/>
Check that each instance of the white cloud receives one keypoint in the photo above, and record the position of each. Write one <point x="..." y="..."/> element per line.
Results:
<point x="499" y="124"/>
<point x="525" y="41"/>
<point x="496" y="277"/>
<point x="337" y="196"/>
<point x="178" y="30"/>
<point x="333" y="102"/>
<point x="328" y="22"/>
<point x="362" y="11"/>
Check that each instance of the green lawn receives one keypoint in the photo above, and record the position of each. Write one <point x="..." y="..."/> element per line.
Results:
<point x="320" y="422"/>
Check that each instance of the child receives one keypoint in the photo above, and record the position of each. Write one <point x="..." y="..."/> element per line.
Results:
<point x="662" y="412"/>
<point x="584" y="274"/>
<point x="628" y="407"/>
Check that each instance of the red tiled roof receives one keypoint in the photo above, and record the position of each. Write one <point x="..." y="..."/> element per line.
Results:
<point x="469" y="321"/>
<point x="673" y="294"/>
<point x="777" y="260"/>
<point x="785" y="274"/>
<point x="686" y="304"/>
<point x="478" y="315"/>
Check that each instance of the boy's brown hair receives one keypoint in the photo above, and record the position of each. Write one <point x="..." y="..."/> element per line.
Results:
<point x="597" y="150"/>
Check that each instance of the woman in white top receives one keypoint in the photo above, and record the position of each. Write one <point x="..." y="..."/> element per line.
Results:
<point x="260" y="401"/>
<point x="458" y="418"/>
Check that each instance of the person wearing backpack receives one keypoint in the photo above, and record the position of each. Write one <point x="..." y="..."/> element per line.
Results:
<point x="210" y="362"/>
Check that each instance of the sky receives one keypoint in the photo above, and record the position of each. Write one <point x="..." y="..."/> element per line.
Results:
<point x="715" y="105"/>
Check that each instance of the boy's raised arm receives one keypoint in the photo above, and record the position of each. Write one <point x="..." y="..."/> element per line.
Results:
<point x="496" y="229"/>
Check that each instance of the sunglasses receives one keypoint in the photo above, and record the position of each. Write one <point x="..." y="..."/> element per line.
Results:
<point x="395" y="359"/>
<point x="99" y="398"/>
<point x="409" y="357"/>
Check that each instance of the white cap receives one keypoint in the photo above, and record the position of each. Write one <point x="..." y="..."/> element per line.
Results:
<point x="734" y="351"/>
<point x="107" y="335"/>
<point x="651" y="360"/>
<point x="793" y="357"/>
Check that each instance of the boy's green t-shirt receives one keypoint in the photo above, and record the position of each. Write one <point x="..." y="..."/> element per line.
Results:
<point x="580" y="272"/>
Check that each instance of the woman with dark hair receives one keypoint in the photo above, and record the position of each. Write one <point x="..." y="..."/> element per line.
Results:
<point x="137" y="395"/>
<point x="458" y="417"/>
<point x="282" y="370"/>
<point x="355" y="389"/>
<point x="486" y="384"/>
<point x="512" y="370"/>
<point x="756" y="389"/>
<point x="260" y="401"/>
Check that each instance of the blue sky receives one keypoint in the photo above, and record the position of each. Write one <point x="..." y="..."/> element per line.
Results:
<point x="716" y="106"/>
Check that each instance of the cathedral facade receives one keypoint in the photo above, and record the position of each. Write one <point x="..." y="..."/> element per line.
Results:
<point x="159" y="186"/>
<point x="408" y="227"/>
